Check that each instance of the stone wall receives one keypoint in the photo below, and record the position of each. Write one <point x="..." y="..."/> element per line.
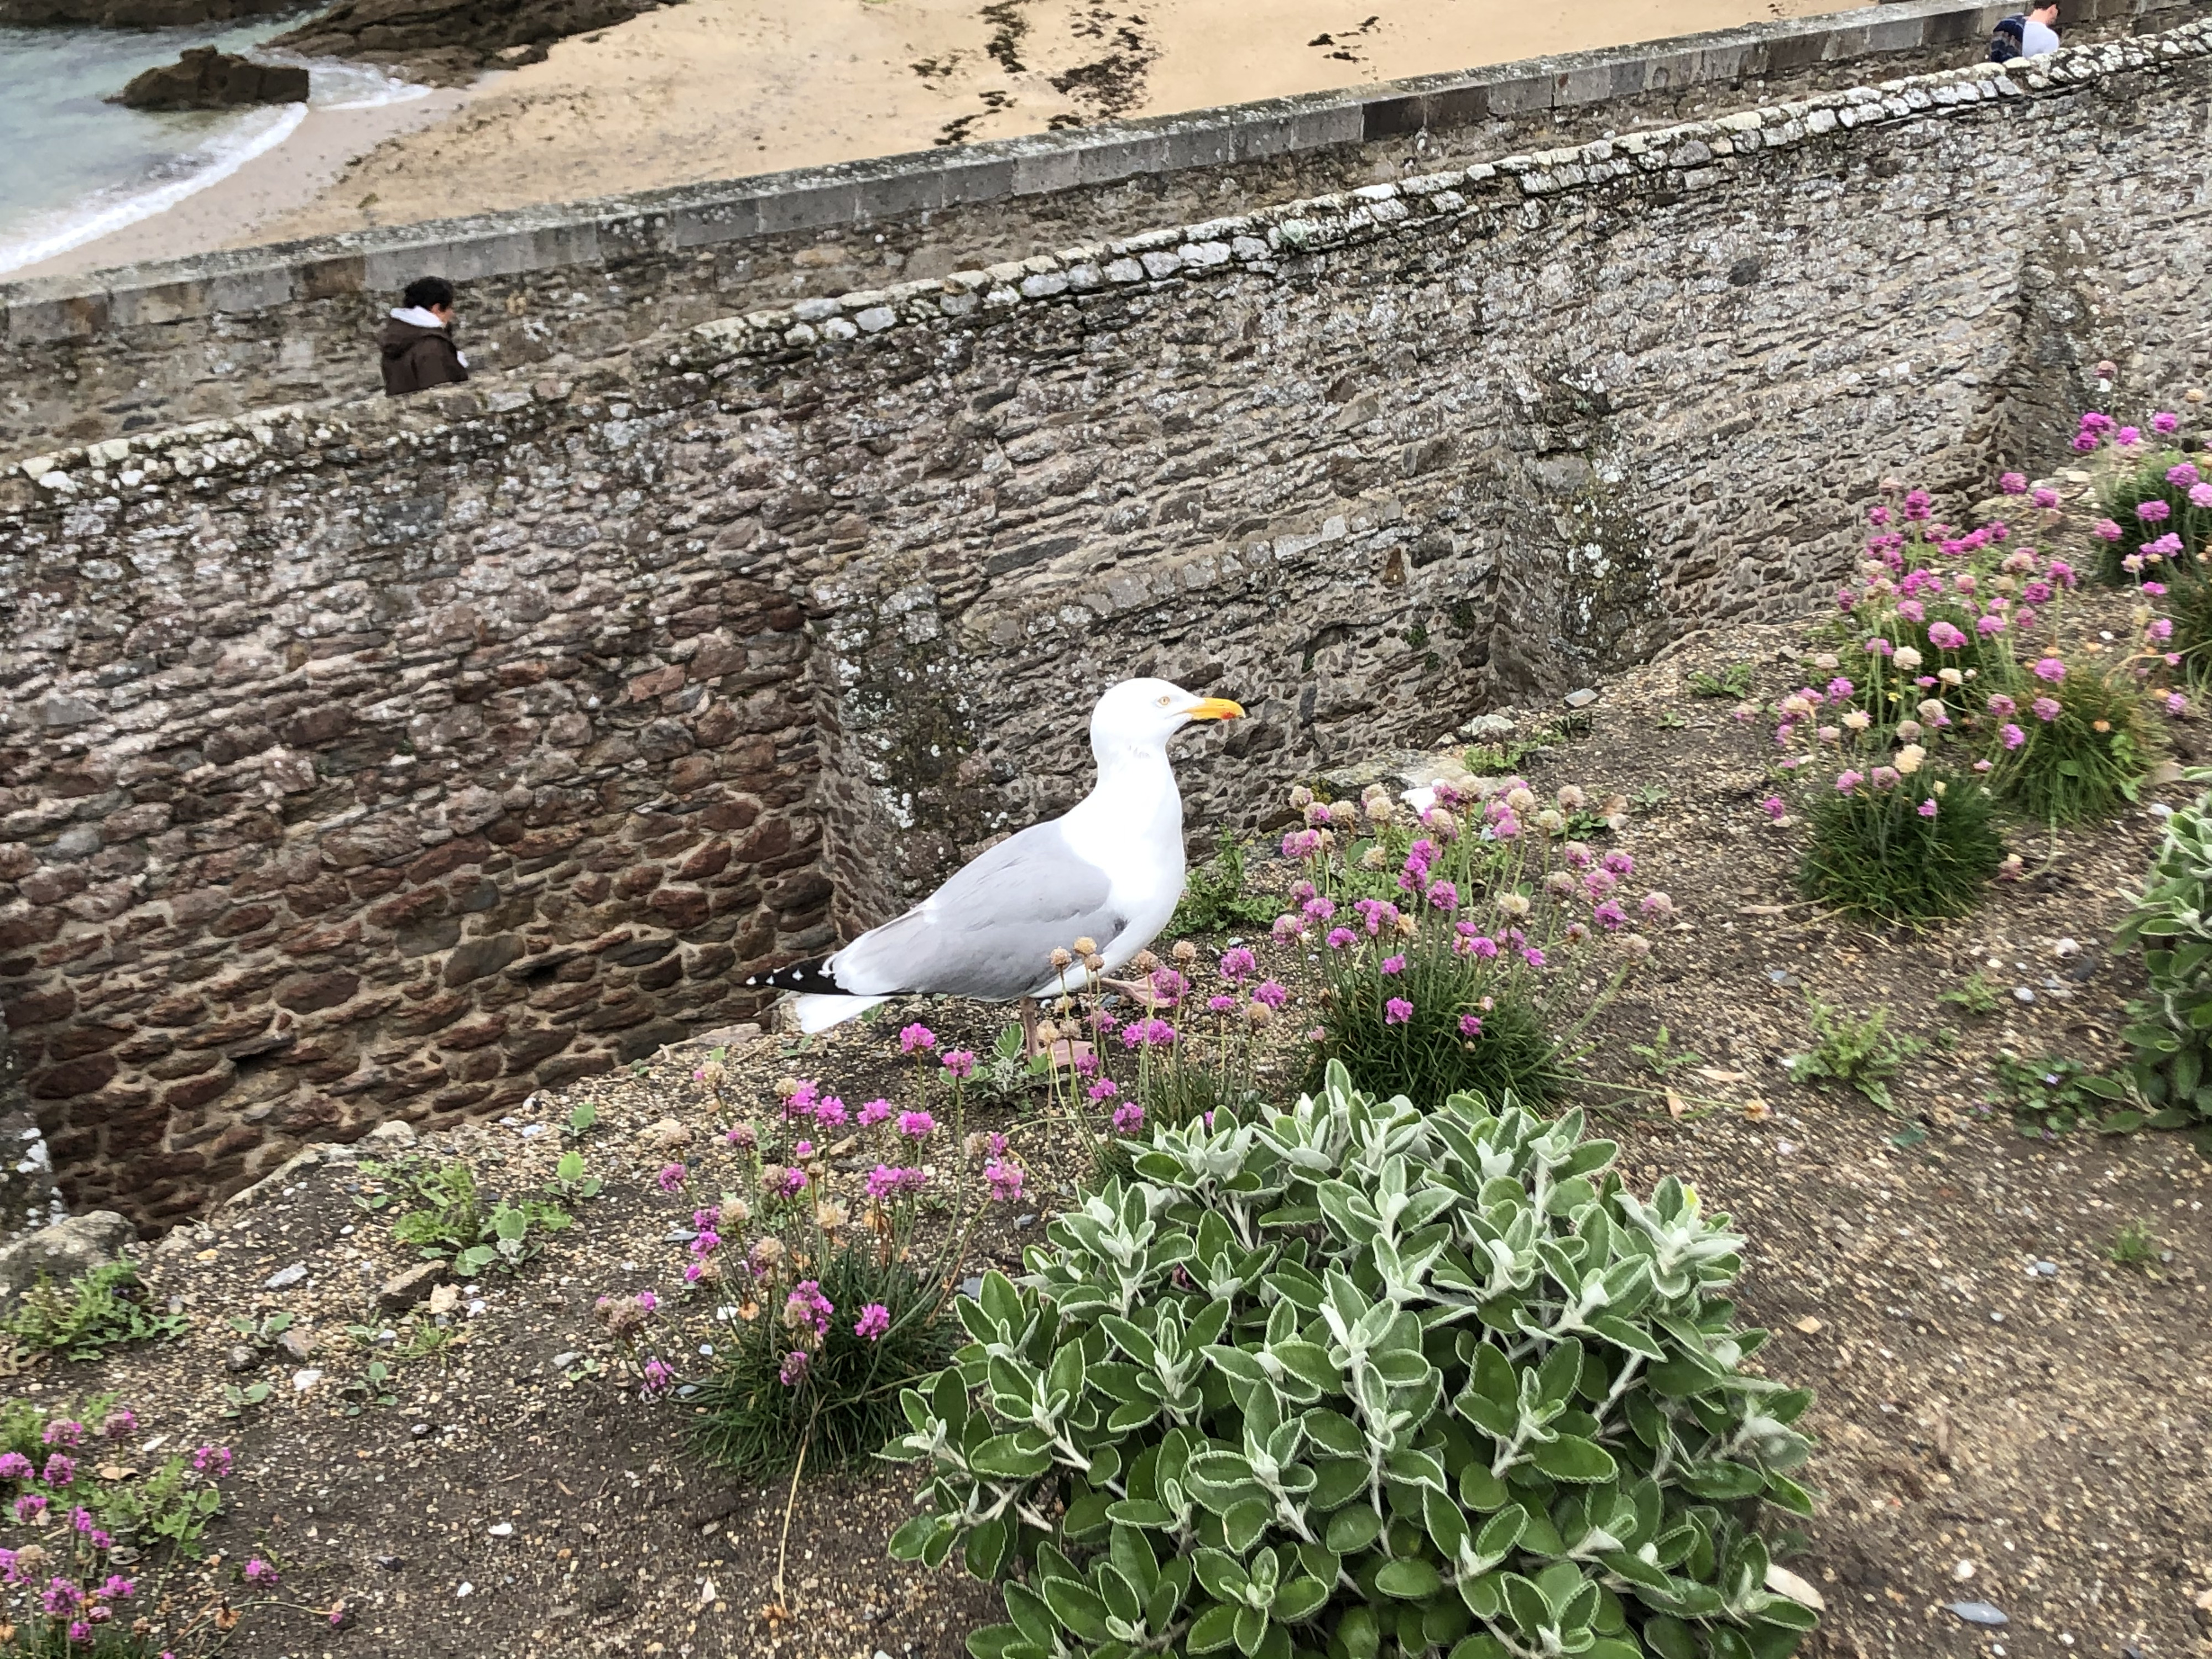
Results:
<point x="397" y="757"/>
<point x="151" y="346"/>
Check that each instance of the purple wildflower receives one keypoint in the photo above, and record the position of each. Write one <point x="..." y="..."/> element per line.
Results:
<point x="1397" y="1012"/>
<point x="916" y="1036"/>
<point x="875" y="1319"/>
<point x="961" y="1063"/>
<point x="671" y="1178"/>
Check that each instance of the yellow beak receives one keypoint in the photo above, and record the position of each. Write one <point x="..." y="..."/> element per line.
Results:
<point x="1216" y="709"/>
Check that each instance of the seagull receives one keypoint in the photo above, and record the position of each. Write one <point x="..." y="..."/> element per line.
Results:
<point x="1110" y="872"/>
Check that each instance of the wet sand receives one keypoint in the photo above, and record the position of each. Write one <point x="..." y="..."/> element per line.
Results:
<point x="720" y="88"/>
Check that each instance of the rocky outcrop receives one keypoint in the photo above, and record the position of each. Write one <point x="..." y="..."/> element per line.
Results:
<point x="204" y="78"/>
<point x="449" y="41"/>
<point x="137" y="14"/>
<point x="62" y="1252"/>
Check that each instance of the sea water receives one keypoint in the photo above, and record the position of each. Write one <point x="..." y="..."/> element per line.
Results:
<point x="74" y="166"/>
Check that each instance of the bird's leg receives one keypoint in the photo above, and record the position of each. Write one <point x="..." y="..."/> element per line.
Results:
<point x="1030" y="1048"/>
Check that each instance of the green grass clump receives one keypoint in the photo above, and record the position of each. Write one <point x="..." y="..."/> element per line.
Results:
<point x="1875" y="855"/>
<point x="845" y="1404"/>
<point x="2088" y="763"/>
<point x="1426" y="1057"/>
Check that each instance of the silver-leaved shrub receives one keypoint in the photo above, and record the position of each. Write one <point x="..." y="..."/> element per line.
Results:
<point x="1361" y="1380"/>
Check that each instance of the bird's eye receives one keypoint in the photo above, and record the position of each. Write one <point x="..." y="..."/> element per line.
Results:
<point x="1164" y="702"/>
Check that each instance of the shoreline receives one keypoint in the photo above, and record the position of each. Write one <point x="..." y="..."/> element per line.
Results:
<point x="715" y="90"/>
<point x="286" y="176"/>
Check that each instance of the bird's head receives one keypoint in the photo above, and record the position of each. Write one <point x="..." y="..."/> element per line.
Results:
<point x="1145" y="713"/>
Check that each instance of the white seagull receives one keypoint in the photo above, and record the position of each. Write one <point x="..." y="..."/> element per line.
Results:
<point x="1111" y="870"/>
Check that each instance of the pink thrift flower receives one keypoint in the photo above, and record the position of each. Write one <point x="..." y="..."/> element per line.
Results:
<point x="2165" y="423"/>
<point x="1268" y="992"/>
<point x="2012" y="736"/>
<point x="916" y="1036"/>
<point x="1128" y="1118"/>
<point x="60" y="1470"/>
<point x="1237" y="964"/>
<point x="1005" y="1180"/>
<point x="874" y="1112"/>
<point x="1470" y="1026"/>
<point x="658" y="1380"/>
<point x="2176" y="704"/>
<point x="1774" y="808"/>
<point x="1397" y="1012"/>
<point x="1847" y="782"/>
<point x="2046" y="710"/>
<point x="875" y="1319"/>
<point x="1944" y="637"/>
<point x="2050" y="669"/>
<point x="2153" y="511"/>
<point x="1104" y="1089"/>
<point x="961" y="1063"/>
<point x="671" y="1178"/>
<point x="1393" y="965"/>
<point x="792" y="1371"/>
<point x="2013" y="483"/>
<point x="1927" y="807"/>
<point x="259" y="1571"/>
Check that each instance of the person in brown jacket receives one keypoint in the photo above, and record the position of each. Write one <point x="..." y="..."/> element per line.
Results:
<point x="419" y="340"/>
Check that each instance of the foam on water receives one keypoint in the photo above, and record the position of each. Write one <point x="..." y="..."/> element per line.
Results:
<point x="97" y="167"/>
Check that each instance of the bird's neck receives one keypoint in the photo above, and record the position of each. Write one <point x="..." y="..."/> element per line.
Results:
<point x="1135" y="797"/>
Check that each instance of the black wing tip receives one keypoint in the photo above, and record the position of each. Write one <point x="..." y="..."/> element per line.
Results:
<point x="806" y="978"/>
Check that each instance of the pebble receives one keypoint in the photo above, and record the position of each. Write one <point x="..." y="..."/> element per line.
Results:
<point x="303" y="1381"/>
<point x="1784" y="978"/>
<point x="1580" y="699"/>
<point x="1995" y="1318"/>
<point x="241" y="1358"/>
<point x="1021" y="1221"/>
<point x="972" y="1285"/>
<point x="2047" y="1269"/>
<point x="464" y="1589"/>
<point x="1963" y="1571"/>
<point x="562" y="1361"/>
<point x="2021" y="993"/>
<point x="504" y="1529"/>
<point x="1979" y="1612"/>
<point x="284" y="1278"/>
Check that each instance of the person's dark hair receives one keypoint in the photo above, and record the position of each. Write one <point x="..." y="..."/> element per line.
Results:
<point x="2034" y="6"/>
<point x="428" y="293"/>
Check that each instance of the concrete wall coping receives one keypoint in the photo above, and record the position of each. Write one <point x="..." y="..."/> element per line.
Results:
<point x="1686" y="157"/>
<point x="608" y="229"/>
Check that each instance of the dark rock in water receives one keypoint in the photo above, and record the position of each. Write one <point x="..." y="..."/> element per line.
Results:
<point x="205" y="78"/>
<point x="137" y="14"/>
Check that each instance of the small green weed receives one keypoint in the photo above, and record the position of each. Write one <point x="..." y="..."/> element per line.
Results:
<point x="1978" y="996"/>
<point x="1649" y="797"/>
<point x="582" y="1120"/>
<point x="1661" y="1059"/>
<point x="1214" y="897"/>
<point x="569" y="1183"/>
<point x="2134" y="1246"/>
<point x="1733" y="683"/>
<point x="1671" y="720"/>
<point x="237" y="1401"/>
<point x="1862" y="1054"/>
<point x="1496" y="759"/>
<point x="450" y="1219"/>
<point x="372" y="1388"/>
<point x="82" y="1320"/>
<point x="2051" y="1097"/>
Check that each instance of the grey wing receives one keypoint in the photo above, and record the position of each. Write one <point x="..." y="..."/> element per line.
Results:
<point x="990" y="931"/>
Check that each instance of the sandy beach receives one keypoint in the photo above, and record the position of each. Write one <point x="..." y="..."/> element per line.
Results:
<point x="722" y="89"/>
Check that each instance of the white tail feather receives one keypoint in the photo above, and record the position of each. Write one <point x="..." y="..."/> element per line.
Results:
<point x="819" y="1013"/>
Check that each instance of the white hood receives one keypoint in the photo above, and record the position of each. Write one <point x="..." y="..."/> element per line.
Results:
<point x="416" y="315"/>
